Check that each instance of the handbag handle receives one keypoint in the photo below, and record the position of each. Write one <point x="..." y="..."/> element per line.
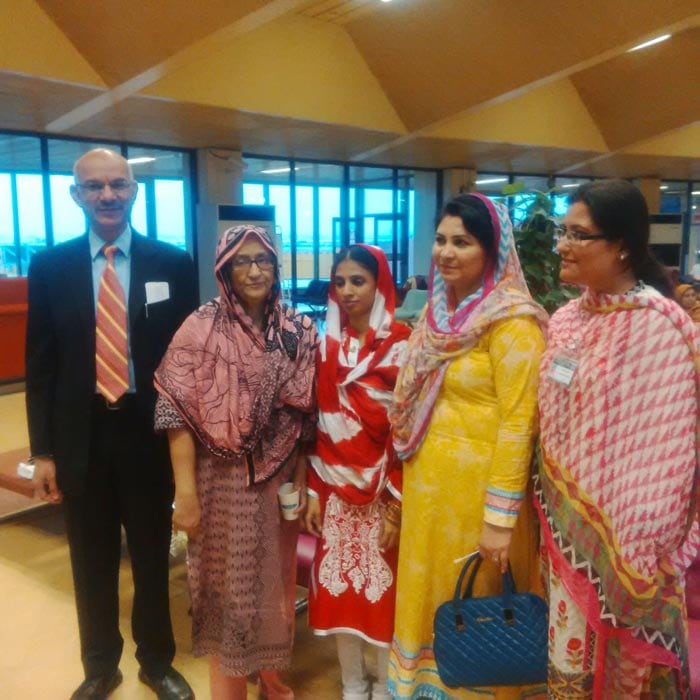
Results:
<point x="507" y="588"/>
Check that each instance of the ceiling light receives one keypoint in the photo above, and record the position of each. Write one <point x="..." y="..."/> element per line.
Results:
<point x="573" y="184"/>
<point x="144" y="159"/>
<point x="491" y="180"/>
<point x="651" y="42"/>
<point x="695" y="192"/>
<point x="663" y="187"/>
<point x="274" y="171"/>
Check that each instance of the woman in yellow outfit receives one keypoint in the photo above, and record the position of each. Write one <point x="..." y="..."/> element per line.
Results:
<point x="464" y="420"/>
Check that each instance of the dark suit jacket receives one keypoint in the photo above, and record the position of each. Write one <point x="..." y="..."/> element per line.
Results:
<point x="60" y="345"/>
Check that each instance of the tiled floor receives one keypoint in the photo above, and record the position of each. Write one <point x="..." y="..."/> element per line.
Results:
<point x="39" y="644"/>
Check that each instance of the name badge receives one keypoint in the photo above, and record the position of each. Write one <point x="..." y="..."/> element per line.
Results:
<point x="562" y="370"/>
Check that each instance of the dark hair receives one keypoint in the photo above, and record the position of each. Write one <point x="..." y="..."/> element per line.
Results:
<point x="358" y="254"/>
<point x="475" y="217"/>
<point x="620" y="211"/>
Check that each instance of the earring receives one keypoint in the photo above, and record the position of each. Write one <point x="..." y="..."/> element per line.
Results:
<point x="622" y="256"/>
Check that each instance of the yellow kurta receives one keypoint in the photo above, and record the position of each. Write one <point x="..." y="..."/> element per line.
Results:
<point x="481" y="435"/>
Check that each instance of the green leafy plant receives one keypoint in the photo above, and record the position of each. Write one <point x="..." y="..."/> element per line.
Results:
<point x="535" y="242"/>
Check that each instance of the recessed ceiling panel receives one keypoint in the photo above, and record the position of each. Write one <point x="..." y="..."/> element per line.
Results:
<point x="122" y="39"/>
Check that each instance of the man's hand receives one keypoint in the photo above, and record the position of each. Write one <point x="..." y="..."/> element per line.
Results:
<point x="44" y="480"/>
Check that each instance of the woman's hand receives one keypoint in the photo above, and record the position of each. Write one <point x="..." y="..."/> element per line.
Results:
<point x="187" y="514"/>
<point x="299" y="482"/>
<point x="388" y="535"/>
<point x="312" y="520"/>
<point x="494" y="544"/>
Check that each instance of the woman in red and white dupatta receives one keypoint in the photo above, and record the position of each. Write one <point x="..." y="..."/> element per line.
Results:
<point x="354" y="482"/>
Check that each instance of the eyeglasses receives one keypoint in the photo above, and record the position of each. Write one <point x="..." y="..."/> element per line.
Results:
<point x="264" y="262"/>
<point x="575" y="237"/>
<point x="94" y="188"/>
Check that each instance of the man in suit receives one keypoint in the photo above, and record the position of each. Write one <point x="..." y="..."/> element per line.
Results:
<point x="90" y="417"/>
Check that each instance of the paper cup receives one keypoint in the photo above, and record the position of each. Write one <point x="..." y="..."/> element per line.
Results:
<point x="289" y="500"/>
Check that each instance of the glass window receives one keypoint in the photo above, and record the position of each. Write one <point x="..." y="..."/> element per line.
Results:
<point x="64" y="152"/>
<point x="30" y="214"/>
<point x="20" y="152"/>
<point x="328" y="238"/>
<point x="673" y="197"/>
<point x="8" y="252"/>
<point x="563" y="187"/>
<point x="139" y="217"/>
<point x="253" y="194"/>
<point x="67" y="217"/>
<point x="170" y="212"/>
<point x="521" y="202"/>
<point x="306" y="264"/>
<point x="693" y="267"/>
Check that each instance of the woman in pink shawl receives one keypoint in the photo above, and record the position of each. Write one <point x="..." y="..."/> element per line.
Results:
<point x="617" y="481"/>
<point x="237" y="400"/>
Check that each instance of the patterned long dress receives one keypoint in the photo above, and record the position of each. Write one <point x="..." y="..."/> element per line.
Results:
<point x="481" y="435"/>
<point x="241" y="566"/>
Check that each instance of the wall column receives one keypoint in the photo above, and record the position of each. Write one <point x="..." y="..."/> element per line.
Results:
<point x="457" y="181"/>
<point x="650" y="188"/>
<point x="219" y="181"/>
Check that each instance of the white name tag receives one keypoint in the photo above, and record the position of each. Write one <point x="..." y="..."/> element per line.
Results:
<point x="157" y="291"/>
<point x="562" y="370"/>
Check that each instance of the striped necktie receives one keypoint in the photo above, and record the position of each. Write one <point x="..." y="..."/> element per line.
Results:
<point x="111" y="354"/>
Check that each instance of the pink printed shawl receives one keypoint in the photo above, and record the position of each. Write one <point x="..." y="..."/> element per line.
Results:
<point x="440" y="337"/>
<point x="354" y="456"/>
<point x="243" y="392"/>
<point x="618" y="483"/>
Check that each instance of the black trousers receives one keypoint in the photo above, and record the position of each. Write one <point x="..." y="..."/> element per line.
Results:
<point x="129" y="483"/>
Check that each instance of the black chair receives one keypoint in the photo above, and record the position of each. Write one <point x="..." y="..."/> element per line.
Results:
<point x="315" y="297"/>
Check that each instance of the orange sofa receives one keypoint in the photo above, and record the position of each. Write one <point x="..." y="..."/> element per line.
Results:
<point x="13" y="327"/>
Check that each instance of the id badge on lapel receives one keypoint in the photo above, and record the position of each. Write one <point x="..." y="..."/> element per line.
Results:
<point x="562" y="369"/>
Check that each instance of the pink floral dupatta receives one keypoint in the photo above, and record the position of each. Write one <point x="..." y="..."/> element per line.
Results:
<point x="243" y="392"/>
<point x="440" y="337"/>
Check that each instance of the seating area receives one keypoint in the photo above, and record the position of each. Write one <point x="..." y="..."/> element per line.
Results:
<point x="413" y="304"/>
<point x="314" y="297"/>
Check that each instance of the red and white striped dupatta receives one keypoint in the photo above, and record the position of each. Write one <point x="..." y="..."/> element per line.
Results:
<point x="354" y="457"/>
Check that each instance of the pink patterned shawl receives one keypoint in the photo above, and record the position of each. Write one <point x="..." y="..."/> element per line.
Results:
<point x="617" y="487"/>
<point x="440" y="337"/>
<point x="354" y="456"/>
<point x="242" y="391"/>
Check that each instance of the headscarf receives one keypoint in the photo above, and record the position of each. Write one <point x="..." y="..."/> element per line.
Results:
<point x="354" y="455"/>
<point x="441" y="337"/>
<point x="694" y="310"/>
<point x="242" y="391"/>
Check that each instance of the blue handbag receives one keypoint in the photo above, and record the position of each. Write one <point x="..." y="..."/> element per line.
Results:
<point x="490" y="641"/>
